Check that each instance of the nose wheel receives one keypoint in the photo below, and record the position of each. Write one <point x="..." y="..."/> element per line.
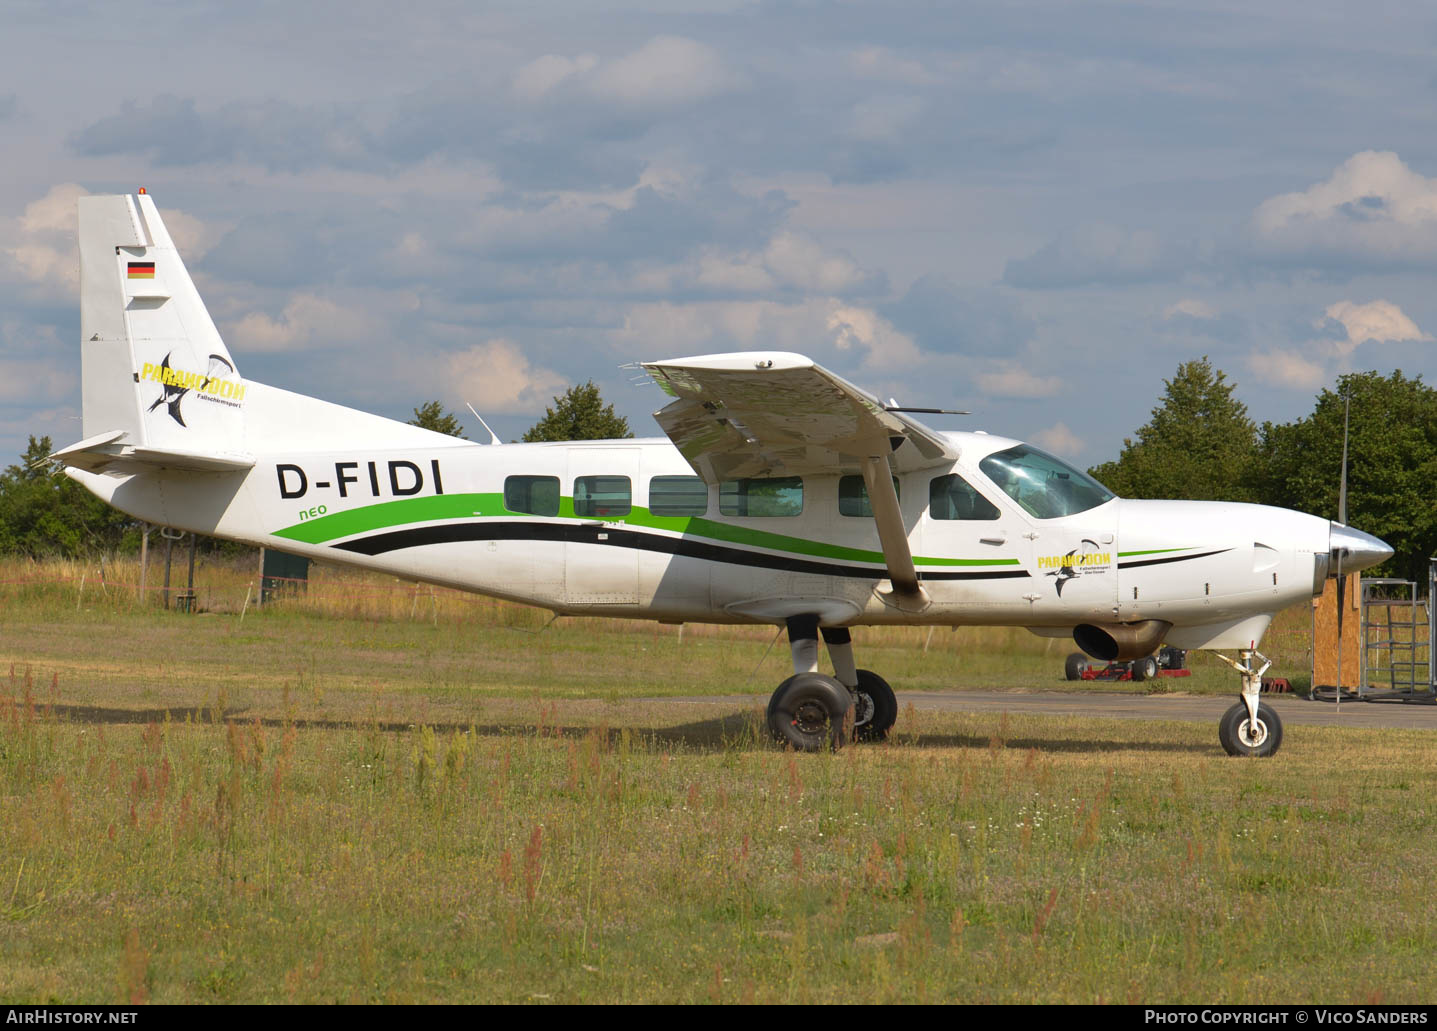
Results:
<point x="1241" y="734"/>
<point x="1251" y="727"/>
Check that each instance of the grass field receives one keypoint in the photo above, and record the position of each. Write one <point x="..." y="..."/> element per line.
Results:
<point x="354" y="799"/>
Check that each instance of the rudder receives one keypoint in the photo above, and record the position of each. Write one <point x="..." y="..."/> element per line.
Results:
<point x="153" y="365"/>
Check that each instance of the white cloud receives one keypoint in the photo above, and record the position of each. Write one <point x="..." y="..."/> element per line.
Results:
<point x="44" y="250"/>
<point x="883" y="119"/>
<point x="193" y="237"/>
<point x="1373" y="208"/>
<point x="826" y="329"/>
<point x="496" y="376"/>
<point x="1287" y="368"/>
<point x="732" y="273"/>
<point x="1060" y="440"/>
<point x="1009" y="379"/>
<point x="667" y="71"/>
<point x="307" y="322"/>
<point x="540" y="76"/>
<point x="887" y="348"/>
<point x="883" y="63"/>
<point x="800" y="262"/>
<point x="1191" y="308"/>
<point x="1381" y="321"/>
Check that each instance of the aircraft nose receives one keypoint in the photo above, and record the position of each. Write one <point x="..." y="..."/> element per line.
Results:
<point x="1359" y="550"/>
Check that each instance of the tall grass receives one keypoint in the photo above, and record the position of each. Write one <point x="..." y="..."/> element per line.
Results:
<point x="343" y="797"/>
<point x="546" y="857"/>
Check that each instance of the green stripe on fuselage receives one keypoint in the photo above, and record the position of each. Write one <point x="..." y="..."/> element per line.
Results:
<point x="388" y="515"/>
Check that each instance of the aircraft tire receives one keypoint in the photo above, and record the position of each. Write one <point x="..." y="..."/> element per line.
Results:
<point x="1237" y="737"/>
<point x="876" y="691"/>
<point x="807" y="712"/>
<point x="1075" y="666"/>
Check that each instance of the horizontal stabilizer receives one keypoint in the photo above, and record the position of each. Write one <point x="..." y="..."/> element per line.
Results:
<point x="107" y="451"/>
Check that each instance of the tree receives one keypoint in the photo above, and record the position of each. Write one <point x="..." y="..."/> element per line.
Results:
<point x="44" y="512"/>
<point x="432" y="416"/>
<point x="1392" y="464"/>
<point x="1199" y="444"/>
<point x="579" y="415"/>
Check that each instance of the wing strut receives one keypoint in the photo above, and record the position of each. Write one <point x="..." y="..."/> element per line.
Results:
<point x="878" y="476"/>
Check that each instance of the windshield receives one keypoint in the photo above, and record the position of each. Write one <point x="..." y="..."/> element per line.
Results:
<point x="1044" y="486"/>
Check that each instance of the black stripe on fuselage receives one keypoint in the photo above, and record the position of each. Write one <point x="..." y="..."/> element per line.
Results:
<point x="686" y="547"/>
<point x="1165" y="561"/>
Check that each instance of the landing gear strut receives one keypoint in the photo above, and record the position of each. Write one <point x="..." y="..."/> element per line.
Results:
<point x="1251" y="727"/>
<point x="810" y="711"/>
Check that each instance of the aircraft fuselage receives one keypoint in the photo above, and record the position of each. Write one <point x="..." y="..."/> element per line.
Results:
<point x="585" y="528"/>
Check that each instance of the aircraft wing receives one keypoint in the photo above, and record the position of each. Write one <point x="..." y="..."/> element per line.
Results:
<point x="766" y="413"/>
<point x="762" y="413"/>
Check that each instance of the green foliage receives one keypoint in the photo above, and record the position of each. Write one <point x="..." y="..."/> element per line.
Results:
<point x="1199" y="444"/>
<point x="432" y="416"/>
<point x="579" y="415"/>
<point x="44" y="512"/>
<point x="1392" y="464"/>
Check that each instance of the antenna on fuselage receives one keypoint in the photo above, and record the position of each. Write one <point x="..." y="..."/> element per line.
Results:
<point x="493" y="437"/>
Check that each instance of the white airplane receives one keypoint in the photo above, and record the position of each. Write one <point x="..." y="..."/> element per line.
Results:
<point x="783" y="495"/>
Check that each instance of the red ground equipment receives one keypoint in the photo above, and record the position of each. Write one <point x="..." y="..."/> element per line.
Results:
<point x="1168" y="662"/>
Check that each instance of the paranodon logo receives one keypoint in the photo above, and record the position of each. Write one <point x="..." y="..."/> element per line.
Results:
<point x="176" y="384"/>
<point x="1085" y="560"/>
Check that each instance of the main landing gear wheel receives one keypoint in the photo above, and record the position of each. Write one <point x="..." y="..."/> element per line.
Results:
<point x="1239" y="736"/>
<point x="807" y="712"/>
<point x="875" y="709"/>
<point x="1076" y="665"/>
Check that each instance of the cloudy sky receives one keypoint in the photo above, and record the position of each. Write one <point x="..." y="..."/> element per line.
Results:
<point x="1033" y="209"/>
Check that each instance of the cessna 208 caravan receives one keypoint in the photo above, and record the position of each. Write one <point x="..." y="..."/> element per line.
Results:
<point x="782" y="495"/>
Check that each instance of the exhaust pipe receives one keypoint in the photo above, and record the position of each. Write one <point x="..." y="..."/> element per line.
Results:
<point x="1119" y="642"/>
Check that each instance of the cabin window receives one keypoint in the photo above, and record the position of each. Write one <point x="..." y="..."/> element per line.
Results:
<point x="769" y="497"/>
<point x="602" y="497"/>
<point x="678" y="496"/>
<point x="1046" y="487"/>
<point x="853" y="496"/>
<point x="532" y="495"/>
<point x="952" y="497"/>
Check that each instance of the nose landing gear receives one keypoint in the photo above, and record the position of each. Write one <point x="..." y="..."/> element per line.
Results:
<point x="1251" y="727"/>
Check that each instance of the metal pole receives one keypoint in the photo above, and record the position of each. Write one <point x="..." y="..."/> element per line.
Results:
<point x="190" y="588"/>
<point x="144" y="558"/>
<point x="169" y="550"/>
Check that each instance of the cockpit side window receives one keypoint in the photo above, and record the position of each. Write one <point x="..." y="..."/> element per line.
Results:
<point x="952" y="497"/>
<point x="1045" y="487"/>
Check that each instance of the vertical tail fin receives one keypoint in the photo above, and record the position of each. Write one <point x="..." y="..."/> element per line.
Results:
<point x="153" y="365"/>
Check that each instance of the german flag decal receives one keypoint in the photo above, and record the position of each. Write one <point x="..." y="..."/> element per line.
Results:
<point x="142" y="270"/>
